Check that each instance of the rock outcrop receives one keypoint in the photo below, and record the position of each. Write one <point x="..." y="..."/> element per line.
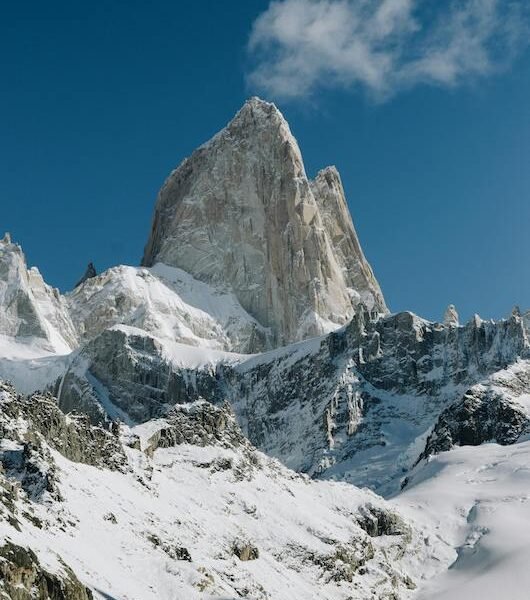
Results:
<point x="199" y="423"/>
<point x="89" y="273"/>
<point x="481" y="415"/>
<point x="126" y="374"/>
<point x="22" y="577"/>
<point x="242" y="213"/>
<point x="41" y="420"/>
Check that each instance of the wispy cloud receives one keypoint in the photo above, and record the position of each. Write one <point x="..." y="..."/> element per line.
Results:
<point x="382" y="46"/>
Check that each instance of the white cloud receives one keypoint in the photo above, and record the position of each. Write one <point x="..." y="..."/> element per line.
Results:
<point x="383" y="46"/>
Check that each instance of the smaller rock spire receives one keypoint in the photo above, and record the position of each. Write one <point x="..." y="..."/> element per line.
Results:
<point x="7" y="238"/>
<point x="89" y="273"/>
<point x="451" y="318"/>
<point x="516" y="312"/>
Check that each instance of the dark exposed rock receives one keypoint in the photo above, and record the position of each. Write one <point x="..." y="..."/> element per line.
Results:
<point x="71" y="435"/>
<point x="89" y="273"/>
<point x="482" y="415"/>
<point x="245" y="550"/>
<point x="342" y="563"/>
<point x="199" y="423"/>
<point x="131" y="371"/>
<point x="180" y="553"/>
<point x="377" y="521"/>
<point x="172" y="550"/>
<point x="31" y="465"/>
<point x="23" y="578"/>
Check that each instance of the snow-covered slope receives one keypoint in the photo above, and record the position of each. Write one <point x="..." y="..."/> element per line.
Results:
<point x="476" y="499"/>
<point x="188" y="509"/>
<point x="166" y="302"/>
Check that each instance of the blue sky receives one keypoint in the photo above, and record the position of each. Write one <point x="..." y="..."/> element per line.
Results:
<point x="426" y="113"/>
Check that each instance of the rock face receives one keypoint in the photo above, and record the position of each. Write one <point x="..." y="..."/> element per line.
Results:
<point x="128" y="375"/>
<point x="241" y="212"/>
<point x="23" y="578"/>
<point x="323" y="406"/>
<point x="365" y="392"/>
<point x="481" y="415"/>
<point x="31" y="309"/>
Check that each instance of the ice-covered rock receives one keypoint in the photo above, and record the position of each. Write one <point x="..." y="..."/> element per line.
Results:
<point x="31" y="310"/>
<point x="242" y="213"/>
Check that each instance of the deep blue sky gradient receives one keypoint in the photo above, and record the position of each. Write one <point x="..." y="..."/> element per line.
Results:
<point x="99" y="101"/>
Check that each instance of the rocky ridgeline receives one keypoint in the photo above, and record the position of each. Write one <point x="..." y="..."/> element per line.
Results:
<point x="41" y="420"/>
<point x="201" y="424"/>
<point x="362" y="378"/>
<point x="313" y="405"/>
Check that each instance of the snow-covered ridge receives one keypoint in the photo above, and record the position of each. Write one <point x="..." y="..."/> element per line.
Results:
<point x="166" y="302"/>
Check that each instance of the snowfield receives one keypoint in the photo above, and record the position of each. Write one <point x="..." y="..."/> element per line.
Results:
<point x="477" y="501"/>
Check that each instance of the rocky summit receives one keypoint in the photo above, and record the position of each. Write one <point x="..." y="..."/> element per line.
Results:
<point x="242" y="417"/>
<point x="241" y="212"/>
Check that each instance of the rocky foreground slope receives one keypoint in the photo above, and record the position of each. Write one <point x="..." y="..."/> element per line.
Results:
<point x="184" y="507"/>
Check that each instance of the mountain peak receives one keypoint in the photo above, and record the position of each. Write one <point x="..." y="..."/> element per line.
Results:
<point x="241" y="213"/>
<point x="257" y="105"/>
